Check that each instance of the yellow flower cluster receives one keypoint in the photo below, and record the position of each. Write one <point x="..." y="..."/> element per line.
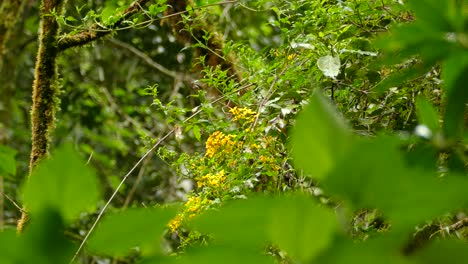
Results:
<point x="218" y="140"/>
<point x="192" y="207"/>
<point x="175" y="223"/>
<point x="213" y="181"/>
<point x="242" y="113"/>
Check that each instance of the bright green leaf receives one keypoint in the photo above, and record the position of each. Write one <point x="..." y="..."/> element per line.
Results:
<point x="445" y="251"/>
<point x="456" y="76"/>
<point x="64" y="183"/>
<point x="118" y="233"/>
<point x="427" y="114"/>
<point x="301" y="228"/>
<point x="196" y="132"/>
<point x="320" y="138"/>
<point x="375" y="175"/>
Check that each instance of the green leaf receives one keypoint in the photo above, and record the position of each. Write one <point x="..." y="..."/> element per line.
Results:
<point x="118" y="233"/>
<point x="64" y="183"/>
<point x="301" y="228"/>
<point x="44" y="240"/>
<point x="319" y="139"/>
<point x="369" y="252"/>
<point x="296" y="224"/>
<point x="329" y="65"/>
<point x="444" y="251"/>
<point x="196" y="132"/>
<point x="427" y="114"/>
<point x="157" y="8"/>
<point x="10" y="247"/>
<point x="224" y="254"/>
<point x="375" y="175"/>
<point x="7" y="161"/>
<point x="433" y="13"/>
<point x="246" y="219"/>
<point x="456" y="76"/>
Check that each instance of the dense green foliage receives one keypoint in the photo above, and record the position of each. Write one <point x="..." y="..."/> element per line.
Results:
<point x="342" y="140"/>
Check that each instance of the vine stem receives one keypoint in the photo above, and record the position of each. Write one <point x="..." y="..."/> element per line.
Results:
<point x="101" y="213"/>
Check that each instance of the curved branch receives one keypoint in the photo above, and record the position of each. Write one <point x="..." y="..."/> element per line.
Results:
<point x="96" y="32"/>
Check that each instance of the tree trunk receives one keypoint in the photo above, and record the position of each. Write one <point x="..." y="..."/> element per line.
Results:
<point x="45" y="88"/>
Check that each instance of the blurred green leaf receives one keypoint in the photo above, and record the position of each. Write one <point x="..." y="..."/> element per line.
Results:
<point x="224" y="254"/>
<point x="427" y="114"/>
<point x="301" y="228"/>
<point x="246" y="220"/>
<point x="444" y="251"/>
<point x="7" y="161"/>
<point x="64" y="183"/>
<point x="433" y="13"/>
<point x="456" y="76"/>
<point x="320" y="138"/>
<point x="367" y="252"/>
<point x="296" y="224"/>
<point x="10" y="246"/>
<point x="374" y="175"/>
<point x="44" y="241"/>
<point x="118" y="233"/>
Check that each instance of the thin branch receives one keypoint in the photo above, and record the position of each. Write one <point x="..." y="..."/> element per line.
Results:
<point x="145" y="58"/>
<point x="93" y="33"/>
<point x="12" y="201"/>
<point x="458" y="225"/>
<point x="101" y="213"/>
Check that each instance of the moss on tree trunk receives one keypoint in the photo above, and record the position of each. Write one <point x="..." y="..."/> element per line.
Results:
<point x="45" y="88"/>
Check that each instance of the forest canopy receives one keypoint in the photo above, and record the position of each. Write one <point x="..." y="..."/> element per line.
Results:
<point x="237" y="131"/>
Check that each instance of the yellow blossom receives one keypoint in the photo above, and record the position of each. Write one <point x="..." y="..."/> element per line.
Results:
<point x="254" y="146"/>
<point x="213" y="181"/>
<point x="242" y="113"/>
<point x="193" y="204"/>
<point x="175" y="223"/>
<point x="219" y="141"/>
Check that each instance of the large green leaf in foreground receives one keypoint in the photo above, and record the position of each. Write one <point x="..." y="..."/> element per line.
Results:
<point x="118" y="233"/>
<point x="320" y="138"/>
<point x="63" y="183"/>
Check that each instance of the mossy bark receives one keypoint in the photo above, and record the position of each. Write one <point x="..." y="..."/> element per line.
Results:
<point x="97" y="31"/>
<point x="45" y="88"/>
<point x="201" y="30"/>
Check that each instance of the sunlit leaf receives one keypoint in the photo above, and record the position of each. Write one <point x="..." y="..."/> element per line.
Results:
<point x="329" y="65"/>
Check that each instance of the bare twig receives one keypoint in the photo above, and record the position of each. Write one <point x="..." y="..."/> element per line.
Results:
<point x="458" y="225"/>
<point x="145" y="58"/>
<point x="141" y="172"/>
<point x="12" y="201"/>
